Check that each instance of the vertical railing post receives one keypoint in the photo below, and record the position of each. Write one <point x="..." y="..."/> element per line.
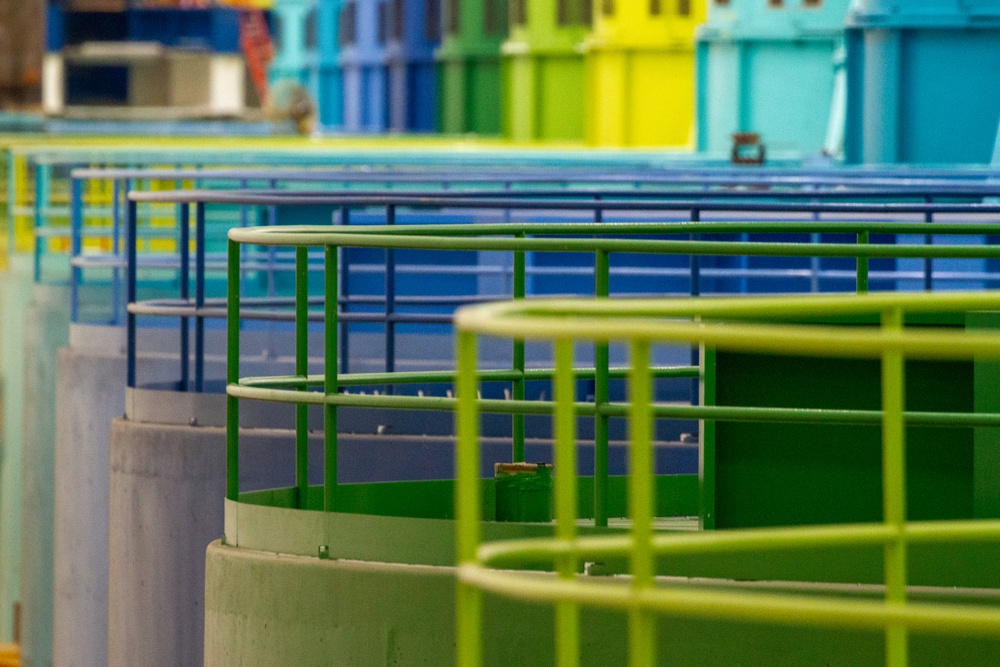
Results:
<point x="517" y="389"/>
<point x="602" y="289"/>
<point x="390" y="301"/>
<point x="330" y="379"/>
<point x="184" y="243"/>
<point x="42" y="173"/>
<point x="302" y="372"/>
<point x="894" y="485"/>
<point x="76" y="245"/>
<point x="272" y="251"/>
<point x="929" y="240"/>
<point x="244" y="222"/>
<point x="345" y="293"/>
<point x="642" y="502"/>
<point x="468" y="499"/>
<point x="862" y="266"/>
<point x="130" y="290"/>
<point x="14" y="176"/>
<point x="695" y="291"/>
<point x="567" y="629"/>
<point x="118" y="188"/>
<point x="815" y="261"/>
<point x="199" y="297"/>
<point x="233" y="372"/>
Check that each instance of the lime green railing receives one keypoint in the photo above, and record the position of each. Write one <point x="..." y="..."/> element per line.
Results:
<point x="748" y="324"/>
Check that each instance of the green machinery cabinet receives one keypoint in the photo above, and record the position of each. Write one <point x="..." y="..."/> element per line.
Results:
<point x="469" y="71"/>
<point x="544" y="97"/>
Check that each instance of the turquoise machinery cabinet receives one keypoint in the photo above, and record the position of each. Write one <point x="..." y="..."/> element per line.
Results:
<point x="307" y="50"/>
<point x="768" y="66"/>
<point x="922" y="81"/>
<point x="329" y="85"/>
<point x="295" y="33"/>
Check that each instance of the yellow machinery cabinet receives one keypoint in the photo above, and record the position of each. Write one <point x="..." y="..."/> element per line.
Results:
<point x="641" y="73"/>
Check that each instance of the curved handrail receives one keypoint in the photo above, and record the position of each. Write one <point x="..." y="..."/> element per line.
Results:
<point x="747" y="324"/>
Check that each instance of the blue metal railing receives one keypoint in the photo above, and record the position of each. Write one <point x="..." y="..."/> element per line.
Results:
<point x="390" y="316"/>
<point x="595" y="186"/>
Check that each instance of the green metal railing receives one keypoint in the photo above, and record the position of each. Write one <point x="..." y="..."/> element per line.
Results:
<point x="326" y="390"/>
<point x="772" y="326"/>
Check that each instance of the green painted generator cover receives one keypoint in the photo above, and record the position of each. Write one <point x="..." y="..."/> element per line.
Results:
<point x="788" y="474"/>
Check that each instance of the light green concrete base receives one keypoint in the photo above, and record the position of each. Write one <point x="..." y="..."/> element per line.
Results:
<point x="380" y="590"/>
<point x="267" y="609"/>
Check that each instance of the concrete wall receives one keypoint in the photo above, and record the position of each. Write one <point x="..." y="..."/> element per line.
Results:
<point x="89" y="395"/>
<point x="167" y="486"/>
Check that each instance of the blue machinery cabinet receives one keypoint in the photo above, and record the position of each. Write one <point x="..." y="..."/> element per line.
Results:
<point x="767" y="66"/>
<point x="414" y="33"/>
<point x="923" y="81"/>
<point x="178" y="58"/>
<point x="368" y="64"/>
<point x="363" y="38"/>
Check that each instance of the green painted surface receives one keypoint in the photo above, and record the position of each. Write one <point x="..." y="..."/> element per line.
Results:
<point x="469" y="67"/>
<point x="470" y="95"/>
<point x="433" y="499"/>
<point x="545" y="75"/>
<point x="986" y="441"/>
<point x="524" y="495"/>
<point x="783" y="474"/>
<point x="802" y="474"/>
<point x="406" y="522"/>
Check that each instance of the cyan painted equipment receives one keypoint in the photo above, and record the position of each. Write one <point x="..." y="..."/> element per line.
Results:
<point x="414" y="33"/>
<point x="20" y="122"/>
<point x="922" y="81"/>
<point x="469" y="62"/>
<point x="364" y="26"/>
<point x="768" y="68"/>
<point x="544" y="91"/>
<point x="640" y="73"/>
<point x="295" y="31"/>
<point x="327" y="84"/>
